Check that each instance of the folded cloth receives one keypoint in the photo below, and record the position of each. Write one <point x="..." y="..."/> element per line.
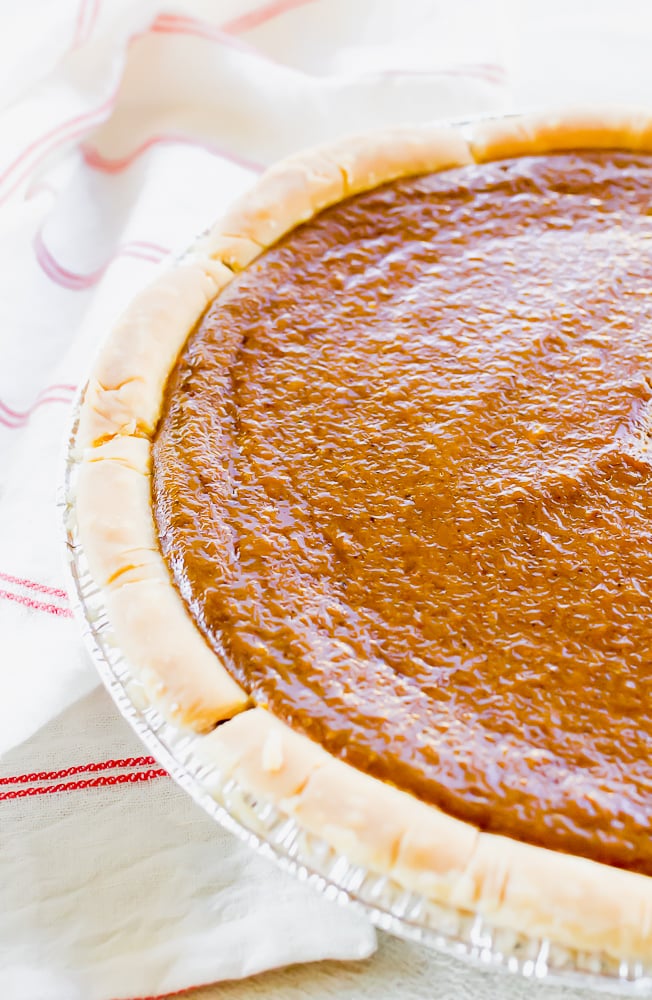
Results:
<point x="113" y="883"/>
<point x="125" y="129"/>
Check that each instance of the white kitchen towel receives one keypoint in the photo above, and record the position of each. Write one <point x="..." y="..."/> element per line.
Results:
<point x="114" y="884"/>
<point x="125" y="128"/>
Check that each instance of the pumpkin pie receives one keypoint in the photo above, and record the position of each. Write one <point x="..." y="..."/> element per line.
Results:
<point x="366" y="482"/>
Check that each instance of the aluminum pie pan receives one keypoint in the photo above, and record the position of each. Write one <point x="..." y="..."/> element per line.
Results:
<point x="277" y="836"/>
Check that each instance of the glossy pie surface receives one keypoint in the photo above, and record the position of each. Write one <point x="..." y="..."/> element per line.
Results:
<point x="401" y="481"/>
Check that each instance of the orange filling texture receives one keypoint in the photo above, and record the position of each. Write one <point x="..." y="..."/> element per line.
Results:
<point x="403" y="482"/>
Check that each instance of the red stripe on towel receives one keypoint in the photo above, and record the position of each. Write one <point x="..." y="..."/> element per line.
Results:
<point x="109" y="165"/>
<point x="139" y="250"/>
<point x="261" y="15"/>
<point x="86" y="18"/>
<point x="130" y="778"/>
<point x="101" y="765"/>
<point x="42" y="588"/>
<point x="52" y="394"/>
<point x="62" y="133"/>
<point x="28" y="602"/>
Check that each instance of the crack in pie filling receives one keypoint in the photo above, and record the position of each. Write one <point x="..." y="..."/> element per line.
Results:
<point x="367" y="480"/>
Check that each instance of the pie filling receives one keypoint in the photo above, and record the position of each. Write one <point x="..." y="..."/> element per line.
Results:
<point x="403" y="482"/>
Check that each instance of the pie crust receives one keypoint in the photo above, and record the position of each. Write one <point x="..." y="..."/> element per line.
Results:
<point x="574" y="902"/>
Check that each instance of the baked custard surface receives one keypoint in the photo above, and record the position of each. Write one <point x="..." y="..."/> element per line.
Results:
<point x="401" y="480"/>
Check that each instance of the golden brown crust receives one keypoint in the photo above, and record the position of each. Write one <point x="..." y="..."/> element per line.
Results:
<point x="571" y="901"/>
<point x="116" y="526"/>
<point x="179" y="672"/>
<point x="372" y="823"/>
<point x="549" y="132"/>
<point x="124" y="392"/>
<point x="574" y="902"/>
<point x="301" y="186"/>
